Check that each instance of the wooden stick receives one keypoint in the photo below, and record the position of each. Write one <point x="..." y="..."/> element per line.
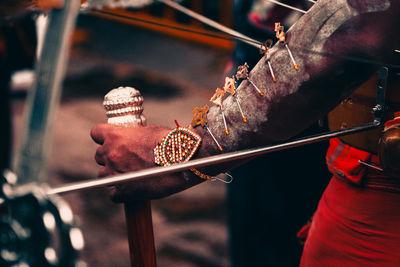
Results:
<point x="140" y="233"/>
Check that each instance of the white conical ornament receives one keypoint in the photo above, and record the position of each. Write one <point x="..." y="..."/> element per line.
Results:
<point x="123" y="106"/>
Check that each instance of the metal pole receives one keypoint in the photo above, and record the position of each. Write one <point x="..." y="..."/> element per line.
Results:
<point x="198" y="163"/>
<point x="30" y="161"/>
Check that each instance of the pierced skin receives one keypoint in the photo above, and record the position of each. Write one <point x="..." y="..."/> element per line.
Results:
<point x="299" y="98"/>
<point x="349" y="28"/>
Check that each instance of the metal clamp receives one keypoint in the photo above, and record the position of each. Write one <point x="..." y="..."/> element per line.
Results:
<point x="36" y="229"/>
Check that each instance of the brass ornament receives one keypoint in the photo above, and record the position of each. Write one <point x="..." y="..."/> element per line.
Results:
<point x="229" y="86"/>
<point x="199" y="116"/>
<point x="178" y="146"/>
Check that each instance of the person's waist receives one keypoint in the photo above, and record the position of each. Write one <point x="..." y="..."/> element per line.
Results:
<point x="359" y="167"/>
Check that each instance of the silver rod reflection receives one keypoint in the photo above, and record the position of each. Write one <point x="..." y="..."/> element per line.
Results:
<point x="212" y="23"/>
<point x="198" y="163"/>
<point x="287" y="6"/>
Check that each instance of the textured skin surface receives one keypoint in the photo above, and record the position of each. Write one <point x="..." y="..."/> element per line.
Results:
<point x="321" y="42"/>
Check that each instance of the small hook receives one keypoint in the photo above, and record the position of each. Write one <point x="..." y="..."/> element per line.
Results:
<point x="371" y="165"/>
<point x="227" y="180"/>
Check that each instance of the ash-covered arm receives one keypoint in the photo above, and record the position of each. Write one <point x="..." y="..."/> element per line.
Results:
<point x="321" y="43"/>
<point x="327" y="43"/>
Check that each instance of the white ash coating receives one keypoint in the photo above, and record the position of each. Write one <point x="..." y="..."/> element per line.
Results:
<point x="123" y="106"/>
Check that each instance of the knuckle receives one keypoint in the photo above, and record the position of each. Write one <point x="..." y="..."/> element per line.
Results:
<point x="99" y="151"/>
<point x="98" y="156"/>
<point x="102" y="172"/>
<point x="113" y="156"/>
<point x="93" y="131"/>
<point x="114" y="135"/>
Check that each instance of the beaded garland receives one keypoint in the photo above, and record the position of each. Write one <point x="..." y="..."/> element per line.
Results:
<point x="178" y="146"/>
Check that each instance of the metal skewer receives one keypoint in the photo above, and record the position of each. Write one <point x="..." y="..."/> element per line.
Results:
<point x="287" y="6"/>
<point x="211" y="23"/>
<point x="248" y="153"/>
<point x="198" y="163"/>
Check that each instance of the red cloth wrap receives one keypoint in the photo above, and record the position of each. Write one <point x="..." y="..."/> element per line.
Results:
<point x="357" y="222"/>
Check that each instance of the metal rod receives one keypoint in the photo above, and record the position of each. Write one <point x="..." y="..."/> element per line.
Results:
<point x="198" y="163"/>
<point x="244" y="118"/>
<point x="223" y="118"/>
<point x="292" y="58"/>
<point x="301" y="49"/>
<point x="213" y="137"/>
<point x="287" y="6"/>
<point x="30" y="160"/>
<point x="371" y="165"/>
<point x="211" y="23"/>
<point x="272" y="72"/>
<point x="255" y="86"/>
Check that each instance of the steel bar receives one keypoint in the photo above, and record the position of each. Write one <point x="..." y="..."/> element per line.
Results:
<point x="198" y="163"/>
<point x="211" y="23"/>
<point x="287" y="6"/>
<point x="259" y="44"/>
<point x="30" y="160"/>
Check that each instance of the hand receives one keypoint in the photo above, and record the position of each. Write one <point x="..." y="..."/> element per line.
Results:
<point x="126" y="149"/>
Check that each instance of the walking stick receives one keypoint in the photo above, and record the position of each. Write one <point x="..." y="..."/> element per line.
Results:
<point x="124" y="107"/>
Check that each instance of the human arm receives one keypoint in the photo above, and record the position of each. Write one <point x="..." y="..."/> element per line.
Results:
<point x="126" y="149"/>
<point x="356" y="29"/>
<point x="324" y="43"/>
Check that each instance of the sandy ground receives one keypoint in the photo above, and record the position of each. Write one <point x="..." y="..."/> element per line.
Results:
<point x="174" y="76"/>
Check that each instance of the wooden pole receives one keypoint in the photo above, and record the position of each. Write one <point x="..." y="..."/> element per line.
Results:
<point x="139" y="224"/>
<point x="140" y="233"/>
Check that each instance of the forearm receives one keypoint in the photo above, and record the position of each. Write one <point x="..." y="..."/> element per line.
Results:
<point x="295" y="101"/>
<point x="321" y="42"/>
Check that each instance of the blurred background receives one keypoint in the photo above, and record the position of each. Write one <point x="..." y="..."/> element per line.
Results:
<point x="175" y="72"/>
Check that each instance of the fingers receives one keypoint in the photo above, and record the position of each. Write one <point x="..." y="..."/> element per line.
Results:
<point x="102" y="172"/>
<point x="99" y="131"/>
<point x="98" y="157"/>
<point x="106" y="171"/>
<point x="115" y="194"/>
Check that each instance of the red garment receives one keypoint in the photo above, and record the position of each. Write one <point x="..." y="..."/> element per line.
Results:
<point x="357" y="222"/>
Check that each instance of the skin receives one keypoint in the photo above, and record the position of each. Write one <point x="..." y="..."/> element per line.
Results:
<point x="124" y="149"/>
<point x="349" y="28"/>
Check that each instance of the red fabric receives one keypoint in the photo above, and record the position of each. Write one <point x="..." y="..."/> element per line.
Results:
<point x="392" y="123"/>
<point x="343" y="160"/>
<point x="302" y="234"/>
<point x="354" y="225"/>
